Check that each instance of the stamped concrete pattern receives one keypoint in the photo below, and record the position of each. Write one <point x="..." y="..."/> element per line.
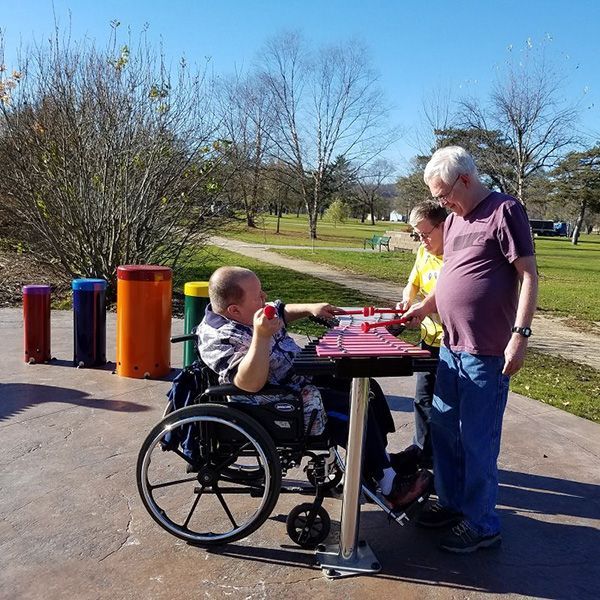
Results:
<point x="73" y="526"/>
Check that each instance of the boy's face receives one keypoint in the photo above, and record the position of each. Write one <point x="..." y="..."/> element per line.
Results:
<point x="253" y="299"/>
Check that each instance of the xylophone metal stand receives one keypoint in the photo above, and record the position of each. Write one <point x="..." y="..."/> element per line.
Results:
<point x="351" y="557"/>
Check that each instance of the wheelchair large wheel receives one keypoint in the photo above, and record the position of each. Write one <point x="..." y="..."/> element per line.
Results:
<point x="221" y="487"/>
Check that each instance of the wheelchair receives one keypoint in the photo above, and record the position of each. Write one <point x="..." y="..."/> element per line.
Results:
<point x="211" y="471"/>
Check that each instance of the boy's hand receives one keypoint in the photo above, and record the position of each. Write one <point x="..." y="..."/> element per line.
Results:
<point x="324" y="310"/>
<point x="265" y="327"/>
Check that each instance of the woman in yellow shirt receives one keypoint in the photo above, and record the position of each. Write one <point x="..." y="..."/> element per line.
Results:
<point x="427" y="221"/>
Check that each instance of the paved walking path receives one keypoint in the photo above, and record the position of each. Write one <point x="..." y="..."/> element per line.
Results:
<point x="550" y="334"/>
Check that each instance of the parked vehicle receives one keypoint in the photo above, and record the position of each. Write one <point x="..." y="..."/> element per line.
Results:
<point x="539" y="227"/>
<point x="561" y="228"/>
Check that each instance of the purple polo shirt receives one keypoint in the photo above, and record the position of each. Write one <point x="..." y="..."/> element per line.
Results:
<point x="477" y="289"/>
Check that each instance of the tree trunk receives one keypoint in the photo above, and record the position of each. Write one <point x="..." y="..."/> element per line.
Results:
<point x="279" y="213"/>
<point x="579" y="223"/>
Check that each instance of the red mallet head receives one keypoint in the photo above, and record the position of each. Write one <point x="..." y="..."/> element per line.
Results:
<point x="365" y="327"/>
<point x="269" y="311"/>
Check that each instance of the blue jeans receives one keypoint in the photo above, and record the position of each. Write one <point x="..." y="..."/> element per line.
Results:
<point x="423" y="401"/>
<point x="466" y="423"/>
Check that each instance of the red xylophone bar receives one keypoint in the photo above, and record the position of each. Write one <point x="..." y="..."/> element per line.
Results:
<point x="269" y="311"/>
<point x="368" y="326"/>
<point x="368" y="311"/>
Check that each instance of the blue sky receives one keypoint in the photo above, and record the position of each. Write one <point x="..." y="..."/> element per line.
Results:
<point x="417" y="47"/>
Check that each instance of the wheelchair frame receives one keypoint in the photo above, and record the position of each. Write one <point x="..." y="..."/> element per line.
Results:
<point x="238" y="449"/>
<point x="215" y="451"/>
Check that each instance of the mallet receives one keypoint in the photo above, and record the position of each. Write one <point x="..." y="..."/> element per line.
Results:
<point x="269" y="311"/>
<point x="365" y="327"/>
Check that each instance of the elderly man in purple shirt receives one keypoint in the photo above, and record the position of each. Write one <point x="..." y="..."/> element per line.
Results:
<point x="486" y="296"/>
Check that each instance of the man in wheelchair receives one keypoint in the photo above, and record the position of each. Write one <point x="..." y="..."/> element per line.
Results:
<point x="245" y="347"/>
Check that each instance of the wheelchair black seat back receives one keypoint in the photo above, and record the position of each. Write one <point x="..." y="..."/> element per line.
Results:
<point x="210" y="472"/>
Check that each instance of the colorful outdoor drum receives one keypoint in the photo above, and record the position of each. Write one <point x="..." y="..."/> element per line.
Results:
<point x="89" y="322"/>
<point x="36" y="322"/>
<point x="143" y="320"/>
<point x="196" y="301"/>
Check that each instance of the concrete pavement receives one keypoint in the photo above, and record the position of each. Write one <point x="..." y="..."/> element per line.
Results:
<point x="73" y="526"/>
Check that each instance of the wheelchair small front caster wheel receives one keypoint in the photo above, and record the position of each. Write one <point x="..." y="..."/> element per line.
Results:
<point x="308" y="525"/>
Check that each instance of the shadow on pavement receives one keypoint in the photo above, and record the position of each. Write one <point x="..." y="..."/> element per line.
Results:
<point x="540" y="557"/>
<point x="61" y="362"/>
<point x="549" y="495"/>
<point x="293" y="557"/>
<point x="400" y="403"/>
<point x="16" y="397"/>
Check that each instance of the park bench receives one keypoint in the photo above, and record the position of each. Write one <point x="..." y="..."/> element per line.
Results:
<point x="376" y="241"/>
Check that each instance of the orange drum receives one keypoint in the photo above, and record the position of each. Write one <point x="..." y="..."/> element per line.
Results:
<point x="143" y="321"/>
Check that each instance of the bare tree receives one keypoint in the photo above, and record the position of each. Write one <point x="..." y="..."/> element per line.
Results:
<point x="105" y="158"/>
<point x="527" y="114"/>
<point x="246" y="123"/>
<point x="281" y="191"/>
<point x="578" y="182"/>
<point x="411" y="187"/>
<point x="326" y="105"/>
<point x="369" y="182"/>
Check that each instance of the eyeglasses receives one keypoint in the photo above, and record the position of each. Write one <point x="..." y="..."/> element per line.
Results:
<point x="441" y="199"/>
<point x="419" y="235"/>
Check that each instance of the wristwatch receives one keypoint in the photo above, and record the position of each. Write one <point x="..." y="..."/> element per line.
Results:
<point x="524" y="331"/>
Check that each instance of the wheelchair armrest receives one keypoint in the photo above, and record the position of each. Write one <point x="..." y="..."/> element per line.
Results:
<point x="190" y="337"/>
<point x="228" y="389"/>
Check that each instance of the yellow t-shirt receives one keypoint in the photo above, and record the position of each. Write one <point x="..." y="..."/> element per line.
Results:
<point x="424" y="276"/>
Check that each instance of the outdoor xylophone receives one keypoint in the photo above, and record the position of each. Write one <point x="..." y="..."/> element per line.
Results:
<point x="354" y="349"/>
<point x="349" y="352"/>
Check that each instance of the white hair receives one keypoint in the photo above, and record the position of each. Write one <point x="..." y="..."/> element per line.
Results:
<point x="448" y="163"/>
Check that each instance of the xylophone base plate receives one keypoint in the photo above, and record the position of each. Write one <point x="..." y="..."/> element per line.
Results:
<point x="362" y="562"/>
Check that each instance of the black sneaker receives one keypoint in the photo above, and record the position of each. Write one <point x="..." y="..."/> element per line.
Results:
<point x="435" y="515"/>
<point x="406" y="463"/>
<point x="463" y="539"/>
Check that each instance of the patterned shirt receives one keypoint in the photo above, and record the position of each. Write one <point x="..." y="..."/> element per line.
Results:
<point x="224" y="343"/>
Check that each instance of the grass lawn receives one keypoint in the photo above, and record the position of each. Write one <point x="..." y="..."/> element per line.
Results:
<point x="561" y="383"/>
<point x="388" y="266"/>
<point x="294" y="232"/>
<point x="570" y="277"/>
<point x="290" y="286"/>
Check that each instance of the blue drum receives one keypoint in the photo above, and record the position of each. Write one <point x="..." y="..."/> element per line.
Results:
<point x="89" y="322"/>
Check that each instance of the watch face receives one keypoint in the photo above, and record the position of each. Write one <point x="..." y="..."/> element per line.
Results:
<point x="524" y="331"/>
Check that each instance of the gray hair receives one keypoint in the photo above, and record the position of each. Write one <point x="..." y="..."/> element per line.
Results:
<point x="224" y="287"/>
<point x="448" y="163"/>
<point x="429" y="210"/>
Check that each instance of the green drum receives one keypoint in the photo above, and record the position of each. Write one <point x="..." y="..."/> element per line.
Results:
<point x="196" y="301"/>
